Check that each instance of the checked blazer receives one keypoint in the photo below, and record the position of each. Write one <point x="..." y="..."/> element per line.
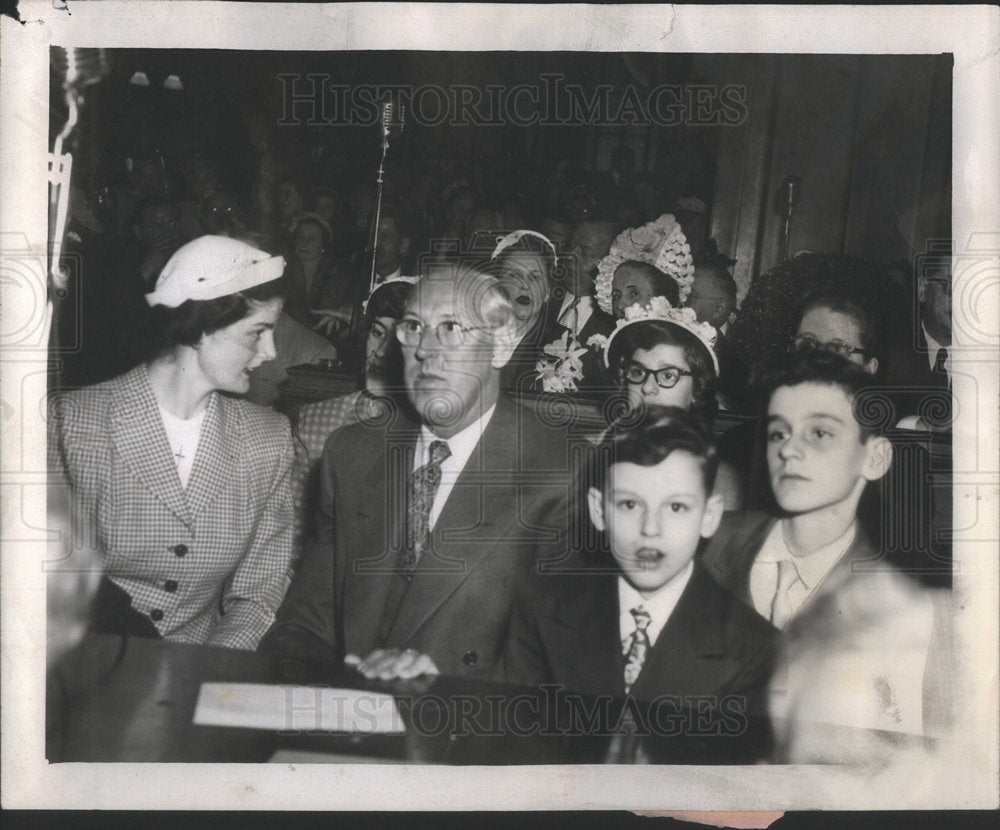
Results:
<point x="507" y="509"/>
<point x="207" y="564"/>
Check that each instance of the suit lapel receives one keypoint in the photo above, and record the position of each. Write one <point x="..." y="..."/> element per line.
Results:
<point x="584" y="627"/>
<point x="692" y="634"/>
<point x="140" y="439"/>
<point x="369" y="585"/>
<point x="475" y="517"/>
<point x="859" y="552"/>
<point x="219" y="449"/>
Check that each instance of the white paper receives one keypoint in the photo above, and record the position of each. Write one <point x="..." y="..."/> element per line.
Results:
<point x="297" y="708"/>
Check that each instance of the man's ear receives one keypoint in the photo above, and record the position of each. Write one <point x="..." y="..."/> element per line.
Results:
<point x="595" y="505"/>
<point x="404" y="246"/>
<point x="505" y="340"/>
<point x="710" y="519"/>
<point x="921" y="289"/>
<point x="878" y="459"/>
<point x="871" y="365"/>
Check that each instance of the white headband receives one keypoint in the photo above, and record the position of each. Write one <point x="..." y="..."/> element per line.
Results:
<point x="211" y="267"/>
<point x="504" y="242"/>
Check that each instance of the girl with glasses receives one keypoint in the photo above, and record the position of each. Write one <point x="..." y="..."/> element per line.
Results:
<point x="662" y="356"/>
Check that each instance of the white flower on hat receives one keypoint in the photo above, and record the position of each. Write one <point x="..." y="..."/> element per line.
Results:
<point x="659" y="308"/>
<point x="660" y="243"/>
<point x="213" y="266"/>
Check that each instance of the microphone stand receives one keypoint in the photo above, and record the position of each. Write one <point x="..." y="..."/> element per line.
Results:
<point x="373" y="236"/>
<point x="791" y="189"/>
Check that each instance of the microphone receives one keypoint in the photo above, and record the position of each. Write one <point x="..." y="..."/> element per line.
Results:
<point x="393" y="118"/>
<point x="791" y="188"/>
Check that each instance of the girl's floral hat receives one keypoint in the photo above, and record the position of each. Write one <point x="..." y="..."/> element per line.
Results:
<point x="661" y="243"/>
<point x="659" y="308"/>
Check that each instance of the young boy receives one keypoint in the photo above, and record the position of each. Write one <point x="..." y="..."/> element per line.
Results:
<point x="820" y="457"/>
<point x="648" y="620"/>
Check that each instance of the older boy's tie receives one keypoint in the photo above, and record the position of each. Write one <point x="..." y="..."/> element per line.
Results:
<point x="781" y="606"/>
<point x="423" y="487"/>
<point x="637" y="647"/>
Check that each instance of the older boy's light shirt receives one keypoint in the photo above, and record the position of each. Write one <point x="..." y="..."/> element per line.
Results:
<point x="659" y="606"/>
<point x="812" y="569"/>
<point x="462" y="445"/>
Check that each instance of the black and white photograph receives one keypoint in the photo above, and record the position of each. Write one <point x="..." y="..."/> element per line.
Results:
<point x="561" y="407"/>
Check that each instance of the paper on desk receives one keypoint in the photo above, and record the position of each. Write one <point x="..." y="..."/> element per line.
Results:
<point x="297" y="708"/>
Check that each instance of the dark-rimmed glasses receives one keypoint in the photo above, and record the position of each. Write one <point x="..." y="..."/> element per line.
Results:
<point x="666" y="378"/>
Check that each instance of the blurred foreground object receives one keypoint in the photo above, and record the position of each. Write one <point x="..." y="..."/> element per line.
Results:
<point x="866" y="674"/>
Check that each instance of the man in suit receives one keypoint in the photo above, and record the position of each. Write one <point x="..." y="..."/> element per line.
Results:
<point x="425" y="530"/>
<point x="646" y="620"/>
<point x="919" y="366"/>
<point x="820" y="458"/>
<point x="573" y="306"/>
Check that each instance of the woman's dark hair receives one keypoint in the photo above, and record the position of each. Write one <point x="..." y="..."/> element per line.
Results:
<point x="851" y="303"/>
<point x="167" y="328"/>
<point x="646" y="335"/>
<point x="387" y="300"/>
<point x="663" y="284"/>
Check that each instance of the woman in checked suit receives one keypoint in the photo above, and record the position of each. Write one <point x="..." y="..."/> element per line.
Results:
<point x="187" y="489"/>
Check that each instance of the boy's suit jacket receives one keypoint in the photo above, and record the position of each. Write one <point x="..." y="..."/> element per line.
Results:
<point x="730" y="553"/>
<point x="565" y="629"/>
<point x="507" y="508"/>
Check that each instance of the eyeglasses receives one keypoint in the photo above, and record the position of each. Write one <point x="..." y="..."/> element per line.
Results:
<point x="808" y="343"/>
<point x="666" y="378"/>
<point x="449" y="333"/>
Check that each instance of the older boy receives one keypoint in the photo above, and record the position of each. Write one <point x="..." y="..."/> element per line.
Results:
<point x="647" y="620"/>
<point x="820" y="457"/>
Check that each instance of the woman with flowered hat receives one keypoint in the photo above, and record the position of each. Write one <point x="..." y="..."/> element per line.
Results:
<point x="650" y="261"/>
<point x="185" y="485"/>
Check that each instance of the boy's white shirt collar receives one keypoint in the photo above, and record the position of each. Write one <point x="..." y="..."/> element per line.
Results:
<point x="660" y="606"/>
<point x="462" y="445"/>
<point x="812" y="568"/>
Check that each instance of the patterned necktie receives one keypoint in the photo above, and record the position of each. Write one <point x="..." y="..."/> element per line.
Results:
<point x="637" y="647"/>
<point x="423" y="487"/>
<point x="781" y="605"/>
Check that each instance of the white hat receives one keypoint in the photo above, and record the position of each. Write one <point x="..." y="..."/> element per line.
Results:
<point x="210" y="267"/>
<point x="659" y="308"/>
<point x="660" y="243"/>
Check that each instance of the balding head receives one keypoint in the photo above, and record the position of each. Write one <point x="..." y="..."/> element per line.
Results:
<point x="456" y="335"/>
<point x="713" y="294"/>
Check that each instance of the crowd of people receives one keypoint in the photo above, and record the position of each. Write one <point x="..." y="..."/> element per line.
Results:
<point x="443" y="518"/>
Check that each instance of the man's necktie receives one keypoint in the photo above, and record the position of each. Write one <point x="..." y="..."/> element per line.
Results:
<point x="939" y="368"/>
<point x="781" y="605"/>
<point x="423" y="487"/>
<point x="637" y="647"/>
